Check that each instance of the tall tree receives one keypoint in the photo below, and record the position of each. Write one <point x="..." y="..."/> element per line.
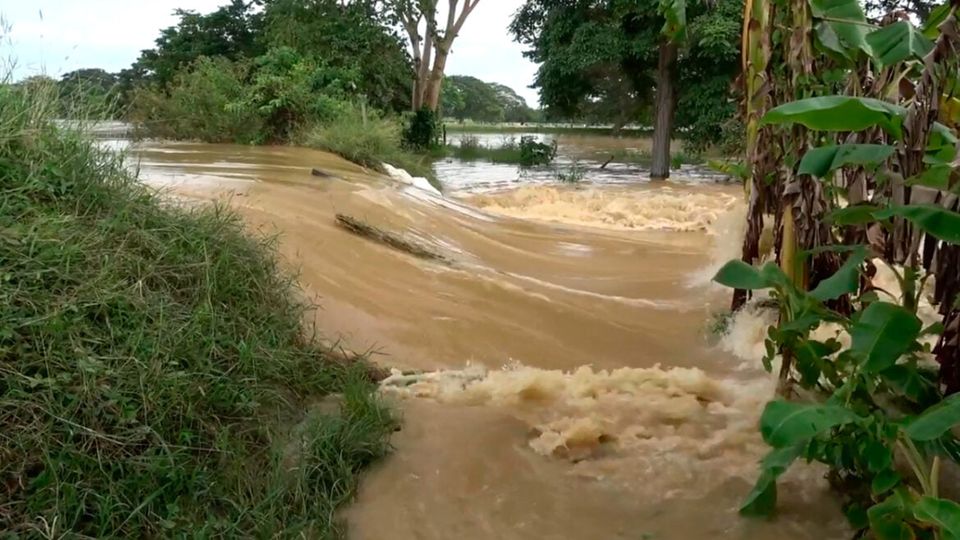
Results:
<point x="345" y="35"/>
<point x="230" y="31"/>
<point x="429" y="44"/>
<point x="613" y="61"/>
<point x="466" y="97"/>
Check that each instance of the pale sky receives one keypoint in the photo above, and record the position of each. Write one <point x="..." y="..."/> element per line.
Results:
<point x="57" y="36"/>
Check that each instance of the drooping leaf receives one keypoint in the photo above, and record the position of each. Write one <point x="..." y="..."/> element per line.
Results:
<point x="809" y="361"/>
<point x="839" y="113"/>
<point x="845" y="281"/>
<point x="884" y="482"/>
<point x="888" y="518"/>
<point x="908" y="382"/>
<point x="898" y="42"/>
<point x="931" y="26"/>
<point x="932" y="219"/>
<point x="776" y="277"/>
<point x="853" y="215"/>
<point x="942" y="144"/>
<point x="936" y="176"/>
<point x="935" y="421"/>
<point x="740" y="275"/>
<point x="762" y="499"/>
<point x="820" y="162"/>
<point x="785" y="424"/>
<point x="675" y="14"/>
<point x="843" y="28"/>
<point x="943" y="513"/>
<point x="879" y="456"/>
<point x="882" y="334"/>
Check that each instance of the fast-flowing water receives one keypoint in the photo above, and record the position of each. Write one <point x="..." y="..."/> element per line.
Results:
<point x="555" y="370"/>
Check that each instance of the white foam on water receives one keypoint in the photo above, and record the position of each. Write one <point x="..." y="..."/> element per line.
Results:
<point x="661" y="209"/>
<point x="669" y="426"/>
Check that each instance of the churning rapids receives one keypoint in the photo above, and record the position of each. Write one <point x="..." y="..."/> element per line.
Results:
<point x="555" y="373"/>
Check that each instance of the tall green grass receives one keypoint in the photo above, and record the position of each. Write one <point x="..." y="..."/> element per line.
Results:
<point x="156" y="377"/>
<point x="369" y="141"/>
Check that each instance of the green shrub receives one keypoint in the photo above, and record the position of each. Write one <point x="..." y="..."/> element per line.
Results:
<point x="206" y="102"/>
<point x="533" y="152"/>
<point x="270" y="99"/>
<point x="157" y="377"/>
<point x="289" y="91"/>
<point x="423" y="130"/>
<point x="574" y="174"/>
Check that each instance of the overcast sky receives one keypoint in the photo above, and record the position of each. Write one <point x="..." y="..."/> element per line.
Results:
<point x="57" y="36"/>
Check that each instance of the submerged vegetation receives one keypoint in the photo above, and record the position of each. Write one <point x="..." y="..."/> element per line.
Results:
<point x="528" y="152"/>
<point x="158" y="378"/>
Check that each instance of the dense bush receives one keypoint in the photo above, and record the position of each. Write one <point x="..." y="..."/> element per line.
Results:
<point x="207" y="102"/>
<point x="423" y="129"/>
<point x="533" y="152"/>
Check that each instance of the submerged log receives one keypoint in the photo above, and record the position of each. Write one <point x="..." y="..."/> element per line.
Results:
<point x="395" y="241"/>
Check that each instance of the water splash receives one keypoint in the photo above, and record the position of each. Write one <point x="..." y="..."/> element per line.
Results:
<point x="661" y="209"/>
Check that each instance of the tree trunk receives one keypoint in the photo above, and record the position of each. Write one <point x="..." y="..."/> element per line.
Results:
<point x="663" y="123"/>
<point x="434" y="85"/>
<point x="423" y="71"/>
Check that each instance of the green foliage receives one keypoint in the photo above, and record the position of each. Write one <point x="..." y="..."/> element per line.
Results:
<point x="289" y="91"/>
<point x="935" y="421"/>
<point x="158" y="378"/>
<point x="272" y="98"/>
<point x="469" y="148"/>
<point x="89" y="92"/>
<point x="822" y="161"/>
<point x="874" y="411"/>
<point x="882" y="334"/>
<point x="534" y="152"/>
<point x="856" y="430"/>
<point x="370" y="142"/>
<point x="898" y="42"/>
<point x="351" y="37"/>
<point x="785" y="424"/>
<point x="675" y="13"/>
<point x="839" y="113"/>
<point x="932" y="219"/>
<point x="470" y="98"/>
<point x="423" y="129"/>
<point x="574" y="174"/>
<point x="842" y="28"/>
<point x="229" y="32"/>
<point x="207" y="102"/>
<point x="598" y="60"/>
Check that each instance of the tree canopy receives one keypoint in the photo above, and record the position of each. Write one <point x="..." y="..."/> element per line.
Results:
<point x="230" y="32"/>
<point x="465" y="97"/>
<point x="598" y="60"/>
<point x="348" y="36"/>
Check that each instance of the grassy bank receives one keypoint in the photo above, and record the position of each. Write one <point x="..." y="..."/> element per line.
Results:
<point x="156" y="376"/>
<point x="370" y="142"/>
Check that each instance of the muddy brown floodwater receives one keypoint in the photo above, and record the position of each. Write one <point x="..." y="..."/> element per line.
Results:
<point x="565" y="383"/>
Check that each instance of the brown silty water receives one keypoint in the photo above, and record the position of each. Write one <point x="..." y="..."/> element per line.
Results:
<point x="564" y="381"/>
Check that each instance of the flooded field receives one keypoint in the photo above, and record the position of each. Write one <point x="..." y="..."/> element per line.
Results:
<point x="556" y="373"/>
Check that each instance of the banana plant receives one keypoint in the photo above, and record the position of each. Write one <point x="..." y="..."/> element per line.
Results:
<point x="868" y="169"/>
